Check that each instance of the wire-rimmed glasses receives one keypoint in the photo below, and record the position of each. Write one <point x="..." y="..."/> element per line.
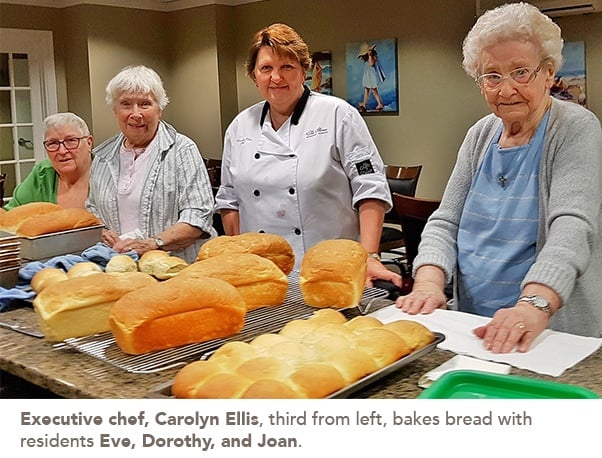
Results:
<point x="522" y="76"/>
<point x="69" y="143"/>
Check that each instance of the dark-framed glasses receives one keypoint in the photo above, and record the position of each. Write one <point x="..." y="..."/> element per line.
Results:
<point x="522" y="76"/>
<point x="68" y="143"/>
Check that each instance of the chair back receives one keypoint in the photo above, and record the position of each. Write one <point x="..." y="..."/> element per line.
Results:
<point x="413" y="213"/>
<point x="214" y="169"/>
<point x="402" y="180"/>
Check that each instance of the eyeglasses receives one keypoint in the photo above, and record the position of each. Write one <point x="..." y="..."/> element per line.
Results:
<point x="522" y="76"/>
<point x="68" y="143"/>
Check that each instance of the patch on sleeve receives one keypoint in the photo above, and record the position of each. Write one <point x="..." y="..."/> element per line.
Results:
<point x="364" y="167"/>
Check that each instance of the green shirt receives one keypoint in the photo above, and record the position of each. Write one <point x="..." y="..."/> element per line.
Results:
<point x="41" y="185"/>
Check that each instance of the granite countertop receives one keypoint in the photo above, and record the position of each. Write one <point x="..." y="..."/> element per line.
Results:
<point x="72" y="374"/>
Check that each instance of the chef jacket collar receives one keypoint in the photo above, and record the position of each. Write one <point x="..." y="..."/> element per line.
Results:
<point x="296" y="112"/>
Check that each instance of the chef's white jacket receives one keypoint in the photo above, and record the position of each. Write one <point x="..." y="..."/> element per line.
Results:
<point x="304" y="181"/>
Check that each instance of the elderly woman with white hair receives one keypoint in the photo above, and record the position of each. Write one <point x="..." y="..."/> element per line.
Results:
<point x="519" y="226"/>
<point x="149" y="184"/>
<point x="62" y="178"/>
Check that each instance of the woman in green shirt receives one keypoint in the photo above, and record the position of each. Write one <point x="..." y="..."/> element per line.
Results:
<point x="63" y="177"/>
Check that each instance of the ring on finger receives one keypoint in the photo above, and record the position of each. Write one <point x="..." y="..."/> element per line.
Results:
<point x="520" y="325"/>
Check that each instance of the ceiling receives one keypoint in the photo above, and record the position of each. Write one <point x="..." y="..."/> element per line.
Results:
<point x="159" y="5"/>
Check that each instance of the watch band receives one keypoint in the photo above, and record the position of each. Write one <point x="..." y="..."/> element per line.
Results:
<point x="538" y="302"/>
<point x="159" y="241"/>
<point x="374" y="255"/>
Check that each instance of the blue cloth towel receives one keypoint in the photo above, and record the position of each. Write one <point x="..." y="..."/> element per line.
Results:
<point x="101" y="254"/>
<point x="64" y="262"/>
<point x="7" y="296"/>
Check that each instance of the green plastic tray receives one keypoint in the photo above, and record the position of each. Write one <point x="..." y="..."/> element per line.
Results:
<point x="482" y="385"/>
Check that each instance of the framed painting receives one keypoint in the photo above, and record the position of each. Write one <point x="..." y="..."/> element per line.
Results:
<point x="570" y="79"/>
<point x="319" y="74"/>
<point x="372" y="76"/>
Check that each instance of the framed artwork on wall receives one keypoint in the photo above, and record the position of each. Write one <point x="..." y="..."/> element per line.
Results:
<point x="570" y="79"/>
<point x="319" y="74"/>
<point x="372" y="76"/>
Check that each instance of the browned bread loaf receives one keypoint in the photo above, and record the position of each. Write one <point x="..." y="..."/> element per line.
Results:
<point x="80" y="306"/>
<point x="57" y="221"/>
<point x="333" y="274"/>
<point x="259" y="281"/>
<point x="271" y="246"/>
<point x="46" y="277"/>
<point x="310" y="358"/>
<point x="11" y="220"/>
<point x="161" y="264"/>
<point x="176" y="312"/>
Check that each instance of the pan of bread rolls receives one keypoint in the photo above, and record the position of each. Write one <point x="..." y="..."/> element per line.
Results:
<point x="323" y="356"/>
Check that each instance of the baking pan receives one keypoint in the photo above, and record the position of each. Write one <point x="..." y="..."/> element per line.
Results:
<point x="483" y="385"/>
<point x="73" y="241"/>
<point x="9" y="276"/>
<point x="164" y="389"/>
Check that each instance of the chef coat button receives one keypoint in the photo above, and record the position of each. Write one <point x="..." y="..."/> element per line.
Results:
<point x="257" y="155"/>
<point x="291" y="191"/>
<point x="297" y="231"/>
<point x="261" y="231"/>
<point x="256" y="193"/>
<point x="291" y="155"/>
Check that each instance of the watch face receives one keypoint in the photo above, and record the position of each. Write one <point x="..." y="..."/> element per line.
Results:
<point x="159" y="242"/>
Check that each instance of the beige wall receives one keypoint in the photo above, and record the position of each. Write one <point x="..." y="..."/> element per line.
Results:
<point x="200" y="54"/>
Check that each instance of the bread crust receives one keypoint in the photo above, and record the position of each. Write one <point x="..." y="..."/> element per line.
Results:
<point x="176" y="312"/>
<point x="11" y="220"/>
<point x="333" y="274"/>
<point x="270" y="246"/>
<point x="260" y="282"/>
<point x="57" y="221"/>
<point x="80" y="306"/>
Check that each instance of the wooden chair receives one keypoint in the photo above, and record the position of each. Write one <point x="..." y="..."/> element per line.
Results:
<point x="402" y="180"/>
<point x="413" y="213"/>
<point x="214" y="170"/>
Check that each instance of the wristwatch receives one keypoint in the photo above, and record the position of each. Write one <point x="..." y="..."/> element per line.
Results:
<point x="374" y="255"/>
<point x="159" y="243"/>
<point x="537" y="302"/>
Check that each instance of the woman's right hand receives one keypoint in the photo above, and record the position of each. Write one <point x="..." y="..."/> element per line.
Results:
<point x="109" y="237"/>
<point x="427" y="293"/>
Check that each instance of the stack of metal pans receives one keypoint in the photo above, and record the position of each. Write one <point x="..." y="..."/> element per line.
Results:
<point x="10" y="260"/>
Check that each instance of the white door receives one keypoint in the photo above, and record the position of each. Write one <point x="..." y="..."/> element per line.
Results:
<point x="27" y="96"/>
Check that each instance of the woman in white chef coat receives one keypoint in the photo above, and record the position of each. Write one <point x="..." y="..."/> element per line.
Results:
<point x="301" y="164"/>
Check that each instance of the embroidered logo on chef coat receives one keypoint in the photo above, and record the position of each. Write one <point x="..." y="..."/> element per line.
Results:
<point x="243" y="140"/>
<point x="313" y="132"/>
<point x="364" y="167"/>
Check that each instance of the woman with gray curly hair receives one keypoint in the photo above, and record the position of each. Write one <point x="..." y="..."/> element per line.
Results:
<point x="149" y="184"/>
<point x="519" y="226"/>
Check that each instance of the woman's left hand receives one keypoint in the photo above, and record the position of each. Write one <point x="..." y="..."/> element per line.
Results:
<point x="512" y="327"/>
<point x="377" y="271"/>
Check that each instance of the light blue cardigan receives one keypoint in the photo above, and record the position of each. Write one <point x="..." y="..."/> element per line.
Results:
<point x="569" y="242"/>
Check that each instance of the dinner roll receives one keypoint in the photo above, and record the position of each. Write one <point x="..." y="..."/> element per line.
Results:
<point x="46" y="277"/>
<point x="83" y="268"/>
<point x="121" y="263"/>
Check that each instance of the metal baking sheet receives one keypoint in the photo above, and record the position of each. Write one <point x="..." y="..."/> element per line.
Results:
<point x="259" y="321"/>
<point x="164" y="389"/>
<point x="73" y="241"/>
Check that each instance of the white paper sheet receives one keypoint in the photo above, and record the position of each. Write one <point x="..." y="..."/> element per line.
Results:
<point x="552" y="352"/>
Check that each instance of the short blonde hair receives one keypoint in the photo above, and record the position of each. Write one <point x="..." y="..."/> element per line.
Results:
<point x="137" y="80"/>
<point x="513" y="21"/>
<point x="284" y="40"/>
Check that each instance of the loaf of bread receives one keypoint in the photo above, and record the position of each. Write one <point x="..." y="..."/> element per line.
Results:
<point x="46" y="277"/>
<point x="83" y="268"/>
<point x="333" y="274"/>
<point x="121" y="263"/>
<point x="161" y="264"/>
<point x="310" y="358"/>
<point x="177" y="312"/>
<point x="57" y="221"/>
<point x="259" y="281"/>
<point x="11" y="220"/>
<point x="271" y="246"/>
<point x="80" y="306"/>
